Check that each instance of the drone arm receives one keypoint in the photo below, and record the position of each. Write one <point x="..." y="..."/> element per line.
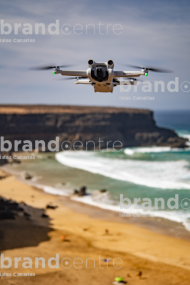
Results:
<point x="81" y="73"/>
<point x="128" y="73"/>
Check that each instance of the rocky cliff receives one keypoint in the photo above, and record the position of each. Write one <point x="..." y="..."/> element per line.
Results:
<point x="133" y="127"/>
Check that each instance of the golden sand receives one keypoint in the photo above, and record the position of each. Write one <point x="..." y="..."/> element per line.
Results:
<point x="162" y="259"/>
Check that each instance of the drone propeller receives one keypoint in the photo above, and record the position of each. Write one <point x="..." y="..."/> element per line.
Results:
<point x="164" y="70"/>
<point x="46" y="67"/>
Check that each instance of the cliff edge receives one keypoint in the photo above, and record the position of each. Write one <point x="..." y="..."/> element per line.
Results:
<point x="133" y="127"/>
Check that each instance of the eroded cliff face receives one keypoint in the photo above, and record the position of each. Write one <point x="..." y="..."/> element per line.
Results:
<point x="133" y="127"/>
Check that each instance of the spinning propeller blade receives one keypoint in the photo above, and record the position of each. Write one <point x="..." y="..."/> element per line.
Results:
<point x="164" y="70"/>
<point x="46" y="67"/>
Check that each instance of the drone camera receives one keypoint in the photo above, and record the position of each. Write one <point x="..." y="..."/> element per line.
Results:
<point x="90" y="62"/>
<point x="110" y="64"/>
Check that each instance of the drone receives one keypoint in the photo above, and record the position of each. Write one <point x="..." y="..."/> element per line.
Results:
<point x="101" y="75"/>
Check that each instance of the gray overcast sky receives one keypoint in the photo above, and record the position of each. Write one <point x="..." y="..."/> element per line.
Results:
<point x="154" y="33"/>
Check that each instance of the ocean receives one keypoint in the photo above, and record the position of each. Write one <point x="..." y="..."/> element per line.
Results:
<point x="135" y="172"/>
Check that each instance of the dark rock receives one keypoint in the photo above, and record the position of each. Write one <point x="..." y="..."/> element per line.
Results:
<point x="27" y="176"/>
<point x="7" y="215"/>
<point x="102" y="190"/>
<point x="51" y="207"/>
<point x="17" y="231"/>
<point x="16" y="161"/>
<point x="27" y="215"/>
<point x="4" y="157"/>
<point x="140" y="274"/>
<point x="2" y="177"/>
<point x="8" y="205"/>
<point x="75" y="192"/>
<point x="19" y="209"/>
<point x="12" y="205"/>
<point x="82" y="191"/>
<point x="44" y="216"/>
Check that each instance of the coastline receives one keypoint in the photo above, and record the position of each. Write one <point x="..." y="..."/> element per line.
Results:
<point x="124" y="237"/>
<point x="92" y="206"/>
<point x="153" y="222"/>
<point x="173" y="223"/>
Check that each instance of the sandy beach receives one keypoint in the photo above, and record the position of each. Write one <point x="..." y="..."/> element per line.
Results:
<point x="82" y="241"/>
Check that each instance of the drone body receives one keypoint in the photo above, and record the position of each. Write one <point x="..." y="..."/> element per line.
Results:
<point x="101" y="75"/>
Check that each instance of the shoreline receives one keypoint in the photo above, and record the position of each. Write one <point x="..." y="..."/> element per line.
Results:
<point x="155" y="224"/>
<point x="140" y="240"/>
<point x="77" y="231"/>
